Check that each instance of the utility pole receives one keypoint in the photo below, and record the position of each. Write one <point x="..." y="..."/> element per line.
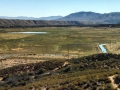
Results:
<point x="68" y="53"/>
<point x="110" y="44"/>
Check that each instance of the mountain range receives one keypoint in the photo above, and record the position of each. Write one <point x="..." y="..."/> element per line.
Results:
<point x="85" y="17"/>
<point x="106" y="18"/>
<point x="74" y="19"/>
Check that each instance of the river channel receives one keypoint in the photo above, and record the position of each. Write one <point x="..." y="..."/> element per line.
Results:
<point x="103" y="49"/>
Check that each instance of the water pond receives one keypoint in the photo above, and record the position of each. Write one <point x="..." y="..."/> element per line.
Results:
<point x="28" y="32"/>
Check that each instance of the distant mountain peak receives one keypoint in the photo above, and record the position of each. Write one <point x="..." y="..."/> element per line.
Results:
<point x="107" y="18"/>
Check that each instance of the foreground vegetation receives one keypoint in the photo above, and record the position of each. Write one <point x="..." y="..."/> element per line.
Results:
<point x="90" y="72"/>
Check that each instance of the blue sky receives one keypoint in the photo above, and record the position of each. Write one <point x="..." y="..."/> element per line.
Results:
<point x="43" y="8"/>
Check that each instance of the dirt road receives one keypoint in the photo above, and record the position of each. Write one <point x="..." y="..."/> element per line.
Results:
<point x="113" y="82"/>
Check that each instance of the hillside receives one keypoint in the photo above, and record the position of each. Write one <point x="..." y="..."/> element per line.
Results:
<point x="37" y="23"/>
<point x="85" y="73"/>
<point x="106" y="18"/>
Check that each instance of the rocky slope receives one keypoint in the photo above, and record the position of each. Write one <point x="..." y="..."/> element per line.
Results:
<point x="84" y="73"/>
<point x="37" y="23"/>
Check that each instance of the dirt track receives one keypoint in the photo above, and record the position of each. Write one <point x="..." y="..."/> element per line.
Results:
<point x="112" y="82"/>
<point x="13" y="62"/>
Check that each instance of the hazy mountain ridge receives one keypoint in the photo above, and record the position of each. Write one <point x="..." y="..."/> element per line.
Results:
<point x="50" y="18"/>
<point x="31" y="18"/>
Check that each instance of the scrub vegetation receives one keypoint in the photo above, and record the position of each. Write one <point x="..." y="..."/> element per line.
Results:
<point x="89" y="72"/>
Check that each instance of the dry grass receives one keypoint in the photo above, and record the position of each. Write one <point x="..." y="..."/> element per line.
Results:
<point x="14" y="36"/>
<point x="114" y="47"/>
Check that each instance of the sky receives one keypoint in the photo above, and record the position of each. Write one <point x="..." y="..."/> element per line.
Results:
<point x="44" y="8"/>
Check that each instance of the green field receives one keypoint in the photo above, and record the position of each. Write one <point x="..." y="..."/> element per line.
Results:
<point x="80" y="41"/>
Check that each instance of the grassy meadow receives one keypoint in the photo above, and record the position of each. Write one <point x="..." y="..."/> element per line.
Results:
<point x="78" y="40"/>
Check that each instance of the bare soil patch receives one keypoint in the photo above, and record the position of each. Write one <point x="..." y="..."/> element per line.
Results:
<point x="14" y="62"/>
<point x="113" y="82"/>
